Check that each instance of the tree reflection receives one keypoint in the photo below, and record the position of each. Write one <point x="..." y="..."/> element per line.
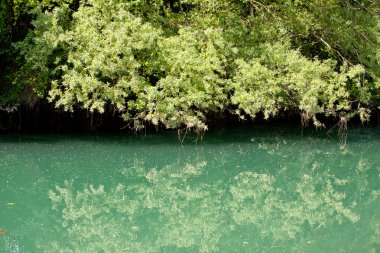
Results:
<point x="176" y="208"/>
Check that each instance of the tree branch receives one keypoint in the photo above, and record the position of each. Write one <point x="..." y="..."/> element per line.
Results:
<point x="331" y="48"/>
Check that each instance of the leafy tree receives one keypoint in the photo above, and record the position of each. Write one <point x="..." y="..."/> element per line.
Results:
<point x="174" y="63"/>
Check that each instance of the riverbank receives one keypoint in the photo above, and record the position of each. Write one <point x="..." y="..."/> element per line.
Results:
<point x="46" y="119"/>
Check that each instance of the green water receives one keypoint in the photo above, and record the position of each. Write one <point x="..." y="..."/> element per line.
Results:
<point x="261" y="190"/>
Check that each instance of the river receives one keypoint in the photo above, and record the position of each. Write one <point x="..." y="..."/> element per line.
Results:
<point x="242" y="190"/>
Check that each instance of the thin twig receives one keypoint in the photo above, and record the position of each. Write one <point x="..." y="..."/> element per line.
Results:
<point x="184" y="137"/>
<point x="265" y="7"/>
<point x="330" y="47"/>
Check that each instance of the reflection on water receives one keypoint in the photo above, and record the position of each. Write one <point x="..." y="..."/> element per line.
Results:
<point x="156" y="209"/>
<point x="171" y="207"/>
<point x="261" y="194"/>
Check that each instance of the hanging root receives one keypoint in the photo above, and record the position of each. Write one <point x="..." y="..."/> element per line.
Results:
<point x="342" y="132"/>
<point x="182" y="138"/>
<point x="343" y="123"/>
<point x="304" y="119"/>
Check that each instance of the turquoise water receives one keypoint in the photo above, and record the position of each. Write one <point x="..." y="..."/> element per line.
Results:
<point x="246" y="190"/>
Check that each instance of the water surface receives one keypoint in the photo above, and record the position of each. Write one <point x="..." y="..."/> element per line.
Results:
<point x="247" y="190"/>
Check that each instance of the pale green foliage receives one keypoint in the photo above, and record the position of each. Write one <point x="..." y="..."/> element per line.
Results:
<point x="283" y="79"/>
<point x="102" y="65"/>
<point x="42" y="49"/>
<point x="192" y="84"/>
<point x="24" y="6"/>
<point x="172" y="64"/>
<point x="110" y="48"/>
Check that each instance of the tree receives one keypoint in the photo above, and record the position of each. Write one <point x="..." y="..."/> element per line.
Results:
<point x="173" y="63"/>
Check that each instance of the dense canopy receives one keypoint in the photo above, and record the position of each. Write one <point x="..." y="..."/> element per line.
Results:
<point x="176" y="63"/>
